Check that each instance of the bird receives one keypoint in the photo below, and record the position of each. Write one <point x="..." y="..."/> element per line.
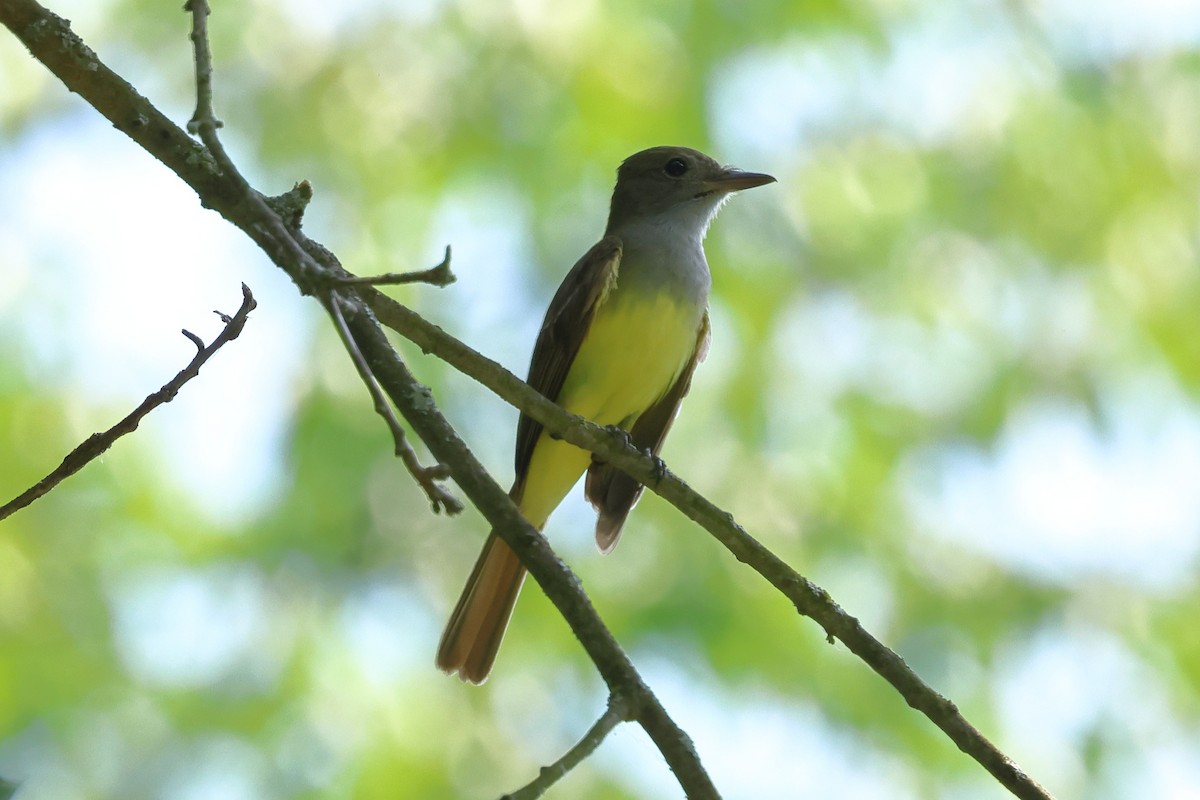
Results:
<point x="618" y="345"/>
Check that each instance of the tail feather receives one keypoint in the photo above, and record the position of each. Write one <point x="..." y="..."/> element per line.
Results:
<point x="476" y="627"/>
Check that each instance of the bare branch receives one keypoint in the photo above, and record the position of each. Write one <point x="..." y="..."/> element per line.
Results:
<point x="204" y="121"/>
<point x="314" y="269"/>
<point x="808" y="598"/>
<point x="290" y="206"/>
<point x="51" y="41"/>
<point x="559" y="583"/>
<point x="438" y="276"/>
<point x="550" y="775"/>
<point x="426" y="477"/>
<point x="97" y="443"/>
<point x="194" y="339"/>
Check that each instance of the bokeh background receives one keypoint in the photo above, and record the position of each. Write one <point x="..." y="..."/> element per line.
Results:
<point x="954" y="380"/>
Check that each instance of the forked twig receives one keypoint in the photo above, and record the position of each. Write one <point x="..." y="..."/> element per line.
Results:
<point x="97" y="443"/>
<point x="437" y="276"/>
<point x="52" y="42"/>
<point x="204" y="122"/>
<point x="427" y="477"/>
<point x="613" y="715"/>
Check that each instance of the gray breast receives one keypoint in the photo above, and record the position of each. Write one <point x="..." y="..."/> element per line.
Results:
<point x="660" y="254"/>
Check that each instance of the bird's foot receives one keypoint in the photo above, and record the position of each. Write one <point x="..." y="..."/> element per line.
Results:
<point x="620" y="434"/>
<point x="660" y="466"/>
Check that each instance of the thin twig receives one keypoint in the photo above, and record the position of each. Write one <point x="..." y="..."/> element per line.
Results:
<point x="204" y="121"/>
<point x="437" y="276"/>
<point x="52" y="42"/>
<point x="426" y="477"/>
<point x="808" y="598"/>
<point x="556" y="579"/>
<point x="97" y="443"/>
<point x="290" y="206"/>
<point x="549" y="775"/>
<point x="270" y="230"/>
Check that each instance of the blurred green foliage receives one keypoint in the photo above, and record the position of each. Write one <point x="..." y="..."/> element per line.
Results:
<point x="953" y="380"/>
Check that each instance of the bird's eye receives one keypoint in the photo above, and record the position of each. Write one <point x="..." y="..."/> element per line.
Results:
<point x="675" y="167"/>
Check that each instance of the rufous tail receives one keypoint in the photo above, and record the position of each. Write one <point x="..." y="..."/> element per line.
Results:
<point x="473" y="634"/>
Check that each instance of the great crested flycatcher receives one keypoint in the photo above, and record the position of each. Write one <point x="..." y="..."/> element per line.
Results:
<point x="618" y="346"/>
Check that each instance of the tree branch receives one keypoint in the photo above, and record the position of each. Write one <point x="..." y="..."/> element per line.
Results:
<point x="436" y="276"/>
<point x="97" y="443"/>
<point x="550" y="775"/>
<point x="314" y="269"/>
<point x="426" y="477"/>
<point x="808" y="598"/>
<point x="560" y="584"/>
<point x="204" y="121"/>
<point x="50" y="40"/>
<point x="205" y="124"/>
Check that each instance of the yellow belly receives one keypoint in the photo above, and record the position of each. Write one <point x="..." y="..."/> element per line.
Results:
<point x="633" y="352"/>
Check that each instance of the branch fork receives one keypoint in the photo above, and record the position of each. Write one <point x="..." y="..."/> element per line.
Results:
<point x="357" y="307"/>
<point x="96" y="444"/>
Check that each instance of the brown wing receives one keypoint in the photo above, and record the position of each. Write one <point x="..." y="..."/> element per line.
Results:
<point x="563" y="329"/>
<point x="611" y="491"/>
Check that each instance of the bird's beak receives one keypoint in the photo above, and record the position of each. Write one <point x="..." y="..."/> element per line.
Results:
<point x="734" y="180"/>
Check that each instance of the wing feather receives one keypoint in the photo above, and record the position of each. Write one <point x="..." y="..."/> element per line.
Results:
<point x="567" y="321"/>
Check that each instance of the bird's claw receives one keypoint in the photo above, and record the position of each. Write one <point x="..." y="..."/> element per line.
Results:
<point x="660" y="466"/>
<point x="620" y="434"/>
